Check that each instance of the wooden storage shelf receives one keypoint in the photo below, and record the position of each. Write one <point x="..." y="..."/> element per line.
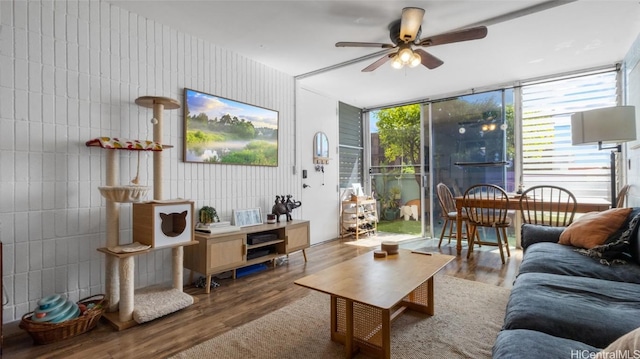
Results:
<point x="253" y="246"/>
<point x="217" y="253"/>
<point x="360" y="214"/>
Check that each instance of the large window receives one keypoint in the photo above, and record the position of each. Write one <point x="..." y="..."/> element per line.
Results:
<point x="547" y="154"/>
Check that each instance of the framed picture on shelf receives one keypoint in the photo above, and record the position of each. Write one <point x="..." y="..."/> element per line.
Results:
<point x="224" y="131"/>
<point x="246" y="217"/>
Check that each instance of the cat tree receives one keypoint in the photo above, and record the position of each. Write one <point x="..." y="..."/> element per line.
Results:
<point x="153" y="302"/>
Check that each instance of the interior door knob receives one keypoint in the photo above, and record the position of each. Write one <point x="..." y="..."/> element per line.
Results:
<point x="304" y="185"/>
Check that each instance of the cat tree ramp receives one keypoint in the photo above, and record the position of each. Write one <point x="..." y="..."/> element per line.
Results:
<point x="157" y="224"/>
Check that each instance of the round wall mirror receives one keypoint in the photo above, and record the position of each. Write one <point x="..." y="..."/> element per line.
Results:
<point x="320" y="148"/>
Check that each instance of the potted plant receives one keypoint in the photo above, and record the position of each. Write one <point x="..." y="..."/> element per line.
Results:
<point x="390" y="203"/>
<point x="208" y="215"/>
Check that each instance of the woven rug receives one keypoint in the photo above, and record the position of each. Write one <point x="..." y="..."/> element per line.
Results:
<point x="468" y="316"/>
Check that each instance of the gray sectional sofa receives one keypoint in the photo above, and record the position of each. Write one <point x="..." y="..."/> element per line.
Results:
<point x="567" y="304"/>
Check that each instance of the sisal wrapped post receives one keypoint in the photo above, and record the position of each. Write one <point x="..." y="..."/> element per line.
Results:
<point x="112" y="289"/>
<point x="157" y="155"/>
<point x="127" y="266"/>
<point x="177" y="262"/>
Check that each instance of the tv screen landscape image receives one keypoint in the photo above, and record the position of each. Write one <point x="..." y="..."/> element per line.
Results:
<point x="223" y="131"/>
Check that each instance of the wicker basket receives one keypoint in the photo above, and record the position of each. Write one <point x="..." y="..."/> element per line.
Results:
<point x="45" y="333"/>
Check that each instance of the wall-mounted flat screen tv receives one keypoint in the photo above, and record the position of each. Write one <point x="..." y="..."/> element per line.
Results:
<point x="223" y="131"/>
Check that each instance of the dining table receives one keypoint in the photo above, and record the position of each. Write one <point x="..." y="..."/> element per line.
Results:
<point x="583" y="205"/>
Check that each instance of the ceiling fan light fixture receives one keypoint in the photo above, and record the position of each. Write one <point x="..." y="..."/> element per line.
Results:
<point x="415" y="60"/>
<point x="396" y="63"/>
<point x="405" y="54"/>
<point x="404" y="34"/>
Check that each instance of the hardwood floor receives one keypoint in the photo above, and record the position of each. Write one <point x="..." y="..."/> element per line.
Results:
<point x="240" y="301"/>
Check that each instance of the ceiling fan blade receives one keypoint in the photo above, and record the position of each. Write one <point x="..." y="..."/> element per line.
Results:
<point x="410" y="23"/>
<point x="364" y="44"/>
<point x="378" y="62"/>
<point x="473" y="33"/>
<point x="428" y="60"/>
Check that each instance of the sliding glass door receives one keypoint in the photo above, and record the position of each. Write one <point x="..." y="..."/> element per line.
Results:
<point x="458" y="141"/>
<point x="472" y="141"/>
<point x="396" y="170"/>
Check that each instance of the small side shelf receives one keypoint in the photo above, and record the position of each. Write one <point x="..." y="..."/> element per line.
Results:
<point x="144" y="251"/>
<point x="358" y="217"/>
<point x="253" y="246"/>
<point x="109" y="143"/>
<point x="150" y="101"/>
<point x="105" y="250"/>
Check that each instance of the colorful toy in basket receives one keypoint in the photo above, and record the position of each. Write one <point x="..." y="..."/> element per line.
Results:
<point x="55" y="319"/>
<point x="55" y="309"/>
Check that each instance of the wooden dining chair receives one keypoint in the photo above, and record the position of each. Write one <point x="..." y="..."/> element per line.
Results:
<point x="548" y="205"/>
<point x="622" y="196"/>
<point x="450" y="214"/>
<point x="487" y="205"/>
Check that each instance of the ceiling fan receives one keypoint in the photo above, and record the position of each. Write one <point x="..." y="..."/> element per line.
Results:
<point x="405" y="35"/>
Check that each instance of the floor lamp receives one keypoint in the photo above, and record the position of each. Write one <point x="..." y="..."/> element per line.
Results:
<point x="610" y="125"/>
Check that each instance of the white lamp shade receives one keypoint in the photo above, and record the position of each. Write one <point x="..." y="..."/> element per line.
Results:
<point x="604" y="125"/>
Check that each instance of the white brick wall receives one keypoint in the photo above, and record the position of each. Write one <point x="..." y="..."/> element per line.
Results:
<point x="69" y="72"/>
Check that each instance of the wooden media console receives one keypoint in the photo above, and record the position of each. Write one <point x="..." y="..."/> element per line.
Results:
<point x="217" y="253"/>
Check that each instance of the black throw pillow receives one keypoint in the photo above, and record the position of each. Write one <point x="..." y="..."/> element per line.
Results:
<point x="535" y="233"/>
<point x="618" y="248"/>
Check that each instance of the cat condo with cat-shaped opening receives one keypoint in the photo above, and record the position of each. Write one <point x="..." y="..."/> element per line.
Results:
<point x="163" y="223"/>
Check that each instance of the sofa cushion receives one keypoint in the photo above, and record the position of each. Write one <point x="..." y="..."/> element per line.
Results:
<point x="524" y="344"/>
<point x="587" y="310"/>
<point x="558" y="259"/>
<point x="594" y="228"/>
<point x="536" y="233"/>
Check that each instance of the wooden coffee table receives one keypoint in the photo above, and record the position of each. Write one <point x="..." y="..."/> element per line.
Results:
<point x="368" y="293"/>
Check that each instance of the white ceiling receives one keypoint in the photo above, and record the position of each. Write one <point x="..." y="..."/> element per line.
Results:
<point x="298" y="38"/>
